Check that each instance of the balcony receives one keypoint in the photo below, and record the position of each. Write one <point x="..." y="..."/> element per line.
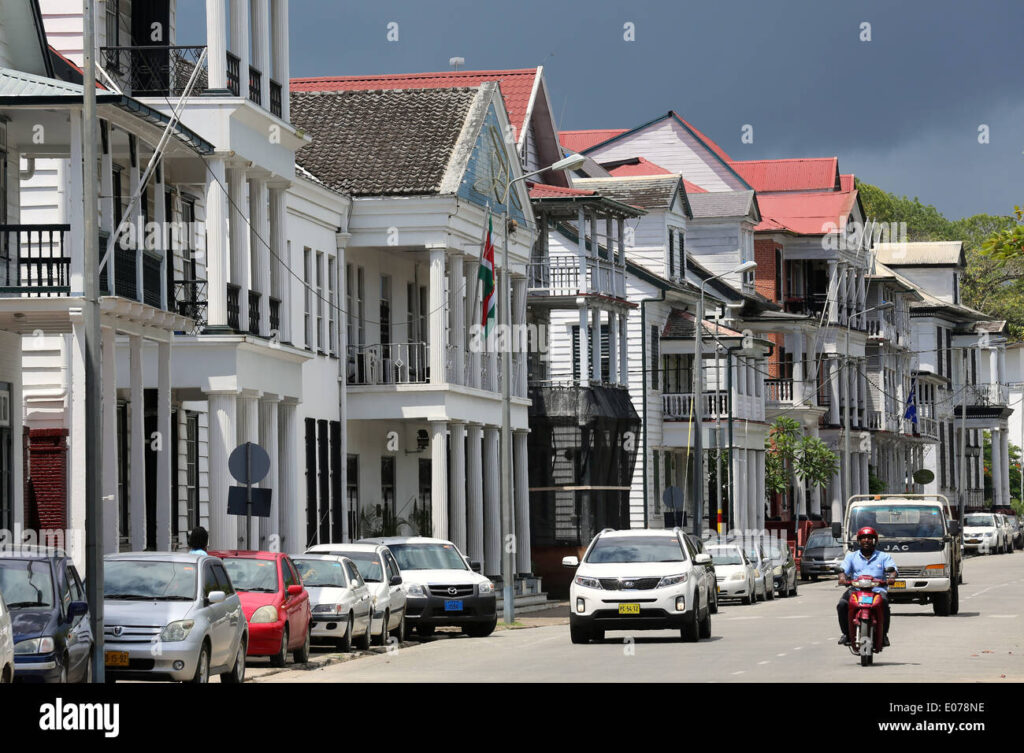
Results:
<point x="388" y="363"/>
<point x="986" y="395"/>
<point x="275" y="315"/>
<point x="234" y="85"/>
<point x="807" y="305"/>
<point x="255" y="85"/>
<point x="233" y="307"/>
<point x="974" y="499"/>
<point x="254" y="312"/>
<point x="190" y="300"/>
<point x="34" y="261"/>
<point x="275" y="98"/>
<point x="155" y="71"/>
<point x="714" y="405"/>
<point x="560" y="276"/>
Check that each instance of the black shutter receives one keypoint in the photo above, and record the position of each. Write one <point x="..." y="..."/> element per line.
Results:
<point x="336" y="489"/>
<point x="655" y="357"/>
<point x="323" y="461"/>
<point x="938" y="349"/>
<point x="310" y="481"/>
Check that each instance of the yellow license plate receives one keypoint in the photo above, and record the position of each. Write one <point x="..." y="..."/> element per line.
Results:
<point x="899" y="584"/>
<point x="629" y="609"/>
<point x="116" y="658"/>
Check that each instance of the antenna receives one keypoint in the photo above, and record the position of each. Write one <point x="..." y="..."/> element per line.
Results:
<point x="456" y="62"/>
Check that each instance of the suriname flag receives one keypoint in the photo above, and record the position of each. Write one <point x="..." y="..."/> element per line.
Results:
<point x="487" y="278"/>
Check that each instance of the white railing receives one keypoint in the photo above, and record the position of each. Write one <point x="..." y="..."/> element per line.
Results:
<point x="778" y="390"/>
<point x="560" y="276"/>
<point x="388" y="363"/>
<point x="679" y="406"/>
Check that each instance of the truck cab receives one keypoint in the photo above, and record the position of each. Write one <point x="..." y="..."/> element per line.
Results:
<point x="918" y="532"/>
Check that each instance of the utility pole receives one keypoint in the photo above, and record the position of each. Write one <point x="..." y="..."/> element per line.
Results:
<point x="508" y="553"/>
<point x="962" y="483"/>
<point x="93" y="387"/>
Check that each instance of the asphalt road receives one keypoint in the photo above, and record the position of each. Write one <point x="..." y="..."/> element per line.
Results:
<point x="791" y="640"/>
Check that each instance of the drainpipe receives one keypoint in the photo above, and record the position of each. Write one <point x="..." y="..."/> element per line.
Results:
<point x="643" y="376"/>
<point x="30" y="162"/>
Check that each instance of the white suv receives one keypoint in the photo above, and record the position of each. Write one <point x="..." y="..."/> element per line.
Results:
<point x="639" y="580"/>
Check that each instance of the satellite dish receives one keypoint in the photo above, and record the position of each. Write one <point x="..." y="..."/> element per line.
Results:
<point x="673" y="498"/>
<point x="923" y="476"/>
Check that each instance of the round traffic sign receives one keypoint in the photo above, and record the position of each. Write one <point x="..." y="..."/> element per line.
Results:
<point x="249" y="463"/>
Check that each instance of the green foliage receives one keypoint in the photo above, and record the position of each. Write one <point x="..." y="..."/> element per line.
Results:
<point x="816" y="464"/>
<point x="422" y="520"/>
<point x="875" y="484"/>
<point x="789" y="453"/>
<point x="380" y="520"/>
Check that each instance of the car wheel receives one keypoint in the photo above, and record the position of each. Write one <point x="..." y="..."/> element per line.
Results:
<point x="690" y="631"/>
<point x="202" y="675"/>
<point x="345" y="644"/>
<point x="237" y="674"/>
<point x="941" y="603"/>
<point x="705" y="625"/>
<point x="481" y="630"/>
<point x="64" y="672"/>
<point x="714" y="599"/>
<point x="814" y="579"/>
<point x="769" y="590"/>
<point x="399" y="632"/>
<point x="363" y="642"/>
<point x="425" y="631"/>
<point x="764" y="593"/>
<point x="954" y="599"/>
<point x="301" y="654"/>
<point x="749" y="598"/>
<point x="578" y="634"/>
<point x="803" y="577"/>
<point x="281" y="657"/>
<point x="380" y="640"/>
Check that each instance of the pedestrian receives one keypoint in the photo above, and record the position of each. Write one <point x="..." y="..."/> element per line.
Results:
<point x="197" y="540"/>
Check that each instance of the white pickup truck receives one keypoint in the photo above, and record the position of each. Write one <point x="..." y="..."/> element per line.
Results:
<point x="918" y="532"/>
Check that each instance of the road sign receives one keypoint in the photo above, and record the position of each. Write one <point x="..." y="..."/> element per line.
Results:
<point x="249" y="463"/>
<point x="238" y="497"/>
<point x="673" y="498"/>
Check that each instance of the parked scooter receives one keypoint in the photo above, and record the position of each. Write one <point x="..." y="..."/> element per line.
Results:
<point x="866" y="626"/>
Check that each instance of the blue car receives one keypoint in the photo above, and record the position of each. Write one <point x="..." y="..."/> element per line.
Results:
<point x="53" y="641"/>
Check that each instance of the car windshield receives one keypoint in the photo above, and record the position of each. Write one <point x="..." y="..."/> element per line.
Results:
<point x="725" y="555"/>
<point x="978" y="520"/>
<point x="26" y="584"/>
<point x="821" y="540"/>
<point x="149" y="580"/>
<point x="259" y="576"/>
<point x="428" y="557"/>
<point x="899" y="521"/>
<point x="368" y="564"/>
<point x="324" y="573"/>
<point x="636" y="549"/>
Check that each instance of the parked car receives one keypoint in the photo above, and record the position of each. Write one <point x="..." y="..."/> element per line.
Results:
<point x="646" y="579"/>
<point x="6" y="645"/>
<point x="763" y="586"/>
<point x="1008" y="533"/>
<point x="275" y="603"/>
<point x="823" y="555"/>
<point x="783" y="569"/>
<point x="171" y="616"/>
<point x="983" y="533"/>
<point x="1018" y="531"/>
<point x="440" y="586"/>
<point x="379" y="568"/>
<point x="709" y="570"/>
<point x="49" y="616"/>
<point x="734" y="572"/>
<point x="340" y="598"/>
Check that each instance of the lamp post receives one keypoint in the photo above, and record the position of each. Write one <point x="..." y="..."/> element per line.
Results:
<point x="508" y="553"/>
<point x="698" y="397"/>
<point x="883" y="306"/>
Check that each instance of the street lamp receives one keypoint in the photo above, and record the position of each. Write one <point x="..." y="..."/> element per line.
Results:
<point x="698" y="397"/>
<point x="508" y="554"/>
<point x="883" y="306"/>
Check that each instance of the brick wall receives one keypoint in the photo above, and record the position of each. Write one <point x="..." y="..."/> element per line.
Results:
<point x="764" y="275"/>
<point x="46" y="479"/>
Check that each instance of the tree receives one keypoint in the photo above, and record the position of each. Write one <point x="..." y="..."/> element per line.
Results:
<point x="816" y="464"/>
<point x="781" y="451"/>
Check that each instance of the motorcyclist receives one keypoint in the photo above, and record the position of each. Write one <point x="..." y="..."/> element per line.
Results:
<point x="865" y="561"/>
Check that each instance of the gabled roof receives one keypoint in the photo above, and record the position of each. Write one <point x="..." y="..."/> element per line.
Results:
<point x="921" y="253"/>
<point x="622" y="168"/>
<point x="724" y="204"/>
<point x="376" y="143"/>
<point x="645" y="191"/>
<point x="806" y="213"/>
<point x="24" y="36"/>
<point x="579" y="141"/>
<point x="682" y="324"/>
<point x="890" y="276"/>
<point x="517" y="86"/>
<point x="846" y="182"/>
<point x="769" y="175"/>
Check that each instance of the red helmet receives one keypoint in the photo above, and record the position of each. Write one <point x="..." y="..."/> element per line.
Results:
<point x="867" y="531"/>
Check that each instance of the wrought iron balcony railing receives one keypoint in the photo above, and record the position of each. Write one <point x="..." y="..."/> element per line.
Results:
<point x="275" y="98"/>
<point x="34" y="261"/>
<point x="388" y="363"/>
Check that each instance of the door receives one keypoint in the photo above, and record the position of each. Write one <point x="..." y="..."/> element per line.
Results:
<point x="220" y="629"/>
<point x="396" y="593"/>
<point x="295" y="606"/>
<point x="79" y="634"/>
<point x="234" y="615"/>
<point x="364" y="605"/>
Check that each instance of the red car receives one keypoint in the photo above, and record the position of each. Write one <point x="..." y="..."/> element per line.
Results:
<point x="275" y="603"/>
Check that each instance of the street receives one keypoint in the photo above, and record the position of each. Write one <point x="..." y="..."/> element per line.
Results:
<point x="785" y="640"/>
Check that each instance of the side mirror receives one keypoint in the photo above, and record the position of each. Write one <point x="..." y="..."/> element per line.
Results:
<point x="702" y="559"/>
<point x="294" y="590"/>
<point x="216" y="597"/>
<point x="77" y="609"/>
<point x="570" y="561"/>
<point x="954" y="528"/>
<point x="837" y="530"/>
<point x="476" y="567"/>
<point x="396" y="580"/>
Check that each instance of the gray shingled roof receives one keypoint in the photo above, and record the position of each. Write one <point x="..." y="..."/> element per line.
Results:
<point x="377" y="143"/>
<point x="654" y="192"/>
<point x="721" y="204"/>
<point x="922" y="252"/>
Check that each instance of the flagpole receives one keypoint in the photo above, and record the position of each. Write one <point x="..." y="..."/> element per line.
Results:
<point x="476" y="286"/>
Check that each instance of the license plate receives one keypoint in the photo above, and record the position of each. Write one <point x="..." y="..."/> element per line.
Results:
<point x="869" y="600"/>
<point x="899" y="584"/>
<point x="453" y="605"/>
<point x="973" y="541"/>
<point x="629" y="609"/>
<point x="116" y="658"/>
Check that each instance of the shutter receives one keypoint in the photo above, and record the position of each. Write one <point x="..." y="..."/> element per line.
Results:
<point x="324" y="477"/>
<point x="310" y="481"/>
<point x="655" y="357"/>
<point x="336" y="488"/>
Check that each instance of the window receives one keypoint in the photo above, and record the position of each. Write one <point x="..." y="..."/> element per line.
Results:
<point x="352" y="496"/>
<point x="210" y="583"/>
<point x="938" y="348"/>
<point x="671" y="254"/>
<point x="112" y="12"/>
<point x="320" y="294"/>
<point x="387" y="483"/>
<point x="223" y="581"/>
<point x="350" y="306"/>
<point x="191" y="469"/>
<point x="385" y="314"/>
<point x="778" y="275"/>
<point x="605" y="364"/>
<point x="332" y="318"/>
<point x="655" y="357"/>
<point x="288" y="575"/>
<point x="657" y="477"/>
<point x="308" y="279"/>
<point x="949" y="353"/>
<point x="389" y="558"/>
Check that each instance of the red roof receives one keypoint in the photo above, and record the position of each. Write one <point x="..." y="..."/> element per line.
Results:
<point x="544" y="191"/>
<point x="769" y="175"/>
<point x="640" y="167"/>
<point x="805" y="213"/>
<point x="578" y="141"/>
<point x="846" y="182"/>
<point x="693" y="187"/>
<point x="516" y="85"/>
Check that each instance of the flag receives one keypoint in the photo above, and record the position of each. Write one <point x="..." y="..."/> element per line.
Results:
<point x="911" y="412"/>
<point x="487" y="278"/>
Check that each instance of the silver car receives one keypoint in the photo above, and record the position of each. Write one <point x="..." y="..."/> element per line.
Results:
<point x="341" y="600"/>
<point x="171" y="616"/>
<point x="6" y="645"/>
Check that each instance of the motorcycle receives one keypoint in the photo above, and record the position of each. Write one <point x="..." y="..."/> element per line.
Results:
<point x="866" y="626"/>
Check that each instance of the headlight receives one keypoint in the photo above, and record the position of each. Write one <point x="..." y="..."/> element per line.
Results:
<point x="671" y="580"/>
<point x="327" y="609"/>
<point x="777" y="570"/>
<point x="177" y="631"/>
<point x="988" y="534"/>
<point x="486" y="588"/>
<point x="938" y="571"/>
<point x="737" y="576"/>
<point x="264" y="615"/>
<point x="34" y="646"/>
<point x="416" y="589"/>
<point x="582" y="580"/>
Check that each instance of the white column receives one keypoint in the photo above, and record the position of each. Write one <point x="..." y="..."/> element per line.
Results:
<point x="75" y="207"/>
<point x="623" y="347"/>
<point x="279" y="242"/>
<point x="240" y="43"/>
<point x="457" y="318"/>
<point x="259" y="238"/>
<point x="290" y="499"/>
<point x="439" y="478"/>
<point x="815" y="490"/>
<point x="474" y="493"/>
<point x="76" y="435"/>
<point x="613" y="348"/>
<point x="522" y="502"/>
<point x="137" y="453"/>
<point x="993" y="372"/>
<point x="584" y="339"/>
<point x="239" y="232"/>
<point x="595" y="347"/>
<point x="279" y="9"/>
<point x="752" y="485"/>
<point x="474" y="317"/>
<point x="261" y="47"/>
<point x="457" y="504"/>
<point x="836" y="496"/>
<point x="222" y="434"/>
<point x="248" y="431"/>
<point x="834" y="375"/>
<point x="865" y="474"/>
<point x="436" y="315"/>
<point x="111" y="505"/>
<point x="164" y="483"/>
<point x="216" y="239"/>
<point x="519" y="324"/>
<point x="1004" y="456"/>
<point x="798" y="368"/>
<point x="833" y="301"/>
<point x="492" y="505"/>
<point x="216" y="44"/>
<point x="270" y="527"/>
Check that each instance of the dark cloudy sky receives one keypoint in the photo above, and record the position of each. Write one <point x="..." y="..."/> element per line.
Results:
<point x="901" y="111"/>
